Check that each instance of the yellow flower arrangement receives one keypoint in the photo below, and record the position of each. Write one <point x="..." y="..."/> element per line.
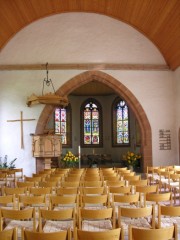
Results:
<point x="70" y="160"/>
<point x="131" y="158"/>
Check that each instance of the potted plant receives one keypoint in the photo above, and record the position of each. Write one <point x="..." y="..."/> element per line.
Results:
<point x="131" y="159"/>
<point x="70" y="160"/>
<point x="4" y="164"/>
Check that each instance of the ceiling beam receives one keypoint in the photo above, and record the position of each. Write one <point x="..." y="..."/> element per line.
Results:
<point x="86" y="66"/>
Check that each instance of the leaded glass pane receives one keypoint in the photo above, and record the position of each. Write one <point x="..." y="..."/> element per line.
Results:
<point x="95" y="139"/>
<point x="122" y="122"/>
<point x="87" y="139"/>
<point x="61" y="123"/>
<point x="63" y="115"/>
<point x="91" y="123"/>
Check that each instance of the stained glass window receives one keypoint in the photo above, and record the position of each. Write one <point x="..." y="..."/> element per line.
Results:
<point x="63" y="124"/>
<point x="120" y="123"/>
<point x="91" y="122"/>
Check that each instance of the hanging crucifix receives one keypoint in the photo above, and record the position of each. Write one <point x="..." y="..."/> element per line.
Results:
<point x="21" y="120"/>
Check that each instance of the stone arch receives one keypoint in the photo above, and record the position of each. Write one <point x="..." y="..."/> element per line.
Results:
<point x="120" y="89"/>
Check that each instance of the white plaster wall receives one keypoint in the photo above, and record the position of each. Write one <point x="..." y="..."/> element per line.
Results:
<point x="79" y="38"/>
<point x="86" y="38"/>
<point x="153" y="89"/>
<point x="176" y="76"/>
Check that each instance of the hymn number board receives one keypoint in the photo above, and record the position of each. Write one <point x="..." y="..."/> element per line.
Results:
<point x="164" y="139"/>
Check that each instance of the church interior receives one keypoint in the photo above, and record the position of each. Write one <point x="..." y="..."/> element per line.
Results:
<point x="89" y="105"/>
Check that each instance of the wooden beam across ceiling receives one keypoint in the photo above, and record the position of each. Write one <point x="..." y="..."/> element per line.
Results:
<point x="86" y="66"/>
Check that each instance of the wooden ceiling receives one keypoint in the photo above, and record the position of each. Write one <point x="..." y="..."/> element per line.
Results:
<point x="159" y="20"/>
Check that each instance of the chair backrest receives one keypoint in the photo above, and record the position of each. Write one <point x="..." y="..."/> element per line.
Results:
<point x="96" y="200"/>
<point x="166" y="233"/>
<point x="141" y="182"/>
<point x="120" y="190"/>
<point x="40" y="191"/>
<point x="93" y="190"/>
<point x="51" y="184"/>
<point x="32" y="201"/>
<point x="70" y="184"/>
<point x="132" y="178"/>
<point x="96" y="214"/>
<point x="62" y="214"/>
<point x="26" y="184"/>
<point x="115" y="183"/>
<point x="10" y="234"/>
<point x="131" y="198"/>
<point x="167" y="211"/>
<point x="29" y="235"/>
<point x="159" y="197"/>
<point x="25" y="214"/>
<point x="70" y="201"/>
<point x="14" y="191"/>
<point x="143" y="212"/>
<point x="5" y="200"/>
<point x="113" y="234"/>
<point x="67" y="191"/>
<point x="92" y="183"/>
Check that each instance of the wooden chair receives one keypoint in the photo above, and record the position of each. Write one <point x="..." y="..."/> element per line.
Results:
<point x="3" y="179"/>
<point x="94" y="201"/>
<point x="93" y="190"/>
<point x="143" y="190"/>
<point x="93" y="177"/>
<point x="159" y="197"/>
<point x="113" y="234"/>
<point x="60" y="220"/>
<point x="96" y="219"/>
<point x="141" y="182"/>
<point x="152" y="174"/>
<point x="51" y="184"/>
<point x="7" y="202"/>
<point x="36" y="180"/>
<point x="15" y="191"/>
<point x="39" y="191"/>
<point x="32" y="201"/>
<point x="115" y="183"/>
<point x="18" y="174"/>
<point x="155" y="234"/>
<point x="70" y="184"/>
<point x="169" y="215"/>
<point x="10" y="234"/>
<point x="67" y="191"/>
<point x="25" y="184"/>
<point x="92" y="184"/>
<point x="54" y="178"/>
<point x="29" y="235"/>
<point x="124" y="200"/>
<point x="132" y="178"/>
<point x="174" y="185"/>
<point x="59" y="202"/>
<point x="11" y="219"/>
<point x="139" y="217"/>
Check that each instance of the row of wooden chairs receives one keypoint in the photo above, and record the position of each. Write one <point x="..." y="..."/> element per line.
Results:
<point x="49" y="220"/>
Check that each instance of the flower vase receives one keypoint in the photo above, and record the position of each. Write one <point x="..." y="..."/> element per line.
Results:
<point x="131" y="168"/>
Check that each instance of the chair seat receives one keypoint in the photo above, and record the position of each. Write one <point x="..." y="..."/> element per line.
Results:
<point x="169" y="221"/>
<point x="138" y="223"/>
<point x="19" y="224"/>
<point x="55" y="226"/>
<point x="96" y="225"/>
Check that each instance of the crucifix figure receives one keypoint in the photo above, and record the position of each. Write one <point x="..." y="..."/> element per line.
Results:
<point x="21" y="120"/>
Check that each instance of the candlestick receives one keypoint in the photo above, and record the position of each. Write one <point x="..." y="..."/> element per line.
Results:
<point x="79" y="152"/>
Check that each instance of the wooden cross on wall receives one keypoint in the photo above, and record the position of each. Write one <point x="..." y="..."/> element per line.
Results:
<point x="21" y="120"/>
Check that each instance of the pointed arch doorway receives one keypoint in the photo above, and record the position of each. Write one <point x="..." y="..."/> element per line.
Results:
<point x="121" y="90"/>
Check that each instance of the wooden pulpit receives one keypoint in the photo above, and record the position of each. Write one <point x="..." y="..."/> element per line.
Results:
<point x="44" y="148"/>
